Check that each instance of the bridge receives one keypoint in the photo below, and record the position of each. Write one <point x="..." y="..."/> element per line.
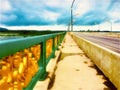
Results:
<point x="60" y="61"/>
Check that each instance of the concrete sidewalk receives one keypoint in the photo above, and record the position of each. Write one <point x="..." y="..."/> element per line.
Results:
<point x="74" y="71"/>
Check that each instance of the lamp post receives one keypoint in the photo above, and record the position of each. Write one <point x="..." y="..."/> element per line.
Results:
<point x="111" y="26"/>
<point x="99" y="27"/>
<point x="68" y="26"/>
<point x="72" y="15"/>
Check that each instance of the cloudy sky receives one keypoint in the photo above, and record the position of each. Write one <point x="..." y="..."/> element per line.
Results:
<point x="57" y="13"/>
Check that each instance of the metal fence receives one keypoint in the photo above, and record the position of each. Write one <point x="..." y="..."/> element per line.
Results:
<point x="23" y="61"/>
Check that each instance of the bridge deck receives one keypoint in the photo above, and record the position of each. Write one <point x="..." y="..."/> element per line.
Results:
<point x="75" y="71"/>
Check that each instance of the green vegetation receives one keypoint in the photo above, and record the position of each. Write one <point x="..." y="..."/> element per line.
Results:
<point x="25" y="33"/>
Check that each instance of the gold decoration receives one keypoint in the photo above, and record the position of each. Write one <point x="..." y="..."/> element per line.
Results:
<point x="16" y="71"/>
<point x="48" y="47"/>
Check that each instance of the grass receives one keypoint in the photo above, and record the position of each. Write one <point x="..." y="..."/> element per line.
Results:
<point x="23" y="33"/>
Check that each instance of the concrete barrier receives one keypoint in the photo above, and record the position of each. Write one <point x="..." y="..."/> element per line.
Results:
<point x="106" y="60"/>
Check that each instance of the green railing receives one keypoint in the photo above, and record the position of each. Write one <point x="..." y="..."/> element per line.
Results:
<point x="19" y="57"/>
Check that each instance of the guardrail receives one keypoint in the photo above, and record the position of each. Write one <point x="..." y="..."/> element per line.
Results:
<point x="106" y="60"/>
<point x="23" y="61"/>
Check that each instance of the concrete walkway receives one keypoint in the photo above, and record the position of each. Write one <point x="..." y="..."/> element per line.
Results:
<point x="75" y="71"/>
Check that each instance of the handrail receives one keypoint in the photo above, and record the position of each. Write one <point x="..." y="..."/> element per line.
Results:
<point x="6" y="47"/>
<point x="27" y="51"/>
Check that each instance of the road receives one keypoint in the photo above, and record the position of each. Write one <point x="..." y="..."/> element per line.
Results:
<point x="109" y="42"/>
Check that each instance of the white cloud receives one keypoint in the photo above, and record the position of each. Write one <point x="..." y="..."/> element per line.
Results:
<point x="101" y="5"/>
<point x="59" y="3"/>
<point x="5" y="6"/>
<point x="82" y="7"/>
<point x="107" y="26"/>
<point x="50" y="16"/>
<point x="52" y="11"/>
<point x="39" y="28"/>
<point x="114" y="13"/>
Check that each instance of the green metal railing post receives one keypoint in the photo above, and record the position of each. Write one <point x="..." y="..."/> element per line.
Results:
<point x="40" y="59"/>
<point x="61" y="38"/>
<point x="43" y="58"/>
<point x="58" y="39"/>
<point x="57" y="42"/>
<point x="53" y="47"/>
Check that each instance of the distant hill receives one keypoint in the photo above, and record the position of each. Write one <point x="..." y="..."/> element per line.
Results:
<point x="3" y="29"/>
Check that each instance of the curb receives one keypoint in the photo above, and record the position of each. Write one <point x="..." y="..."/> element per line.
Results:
<point x="51" y="67"/>
<point x="43" y="85"/>
<point x="107" y="60"/>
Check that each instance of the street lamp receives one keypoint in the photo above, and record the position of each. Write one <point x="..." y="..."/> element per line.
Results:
<point x="111" y="25"/>
<point x="68" y="26"/>
<point x="72" y="15"/>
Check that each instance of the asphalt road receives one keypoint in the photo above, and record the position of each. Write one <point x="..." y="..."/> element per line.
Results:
<point x="109" y="42"/>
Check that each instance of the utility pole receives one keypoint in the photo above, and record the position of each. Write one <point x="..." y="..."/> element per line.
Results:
<point x="111" y="26"/>
<point x="72" y="15"/>
<point x="68" y="26"/>
<point x="99" y="27"/>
